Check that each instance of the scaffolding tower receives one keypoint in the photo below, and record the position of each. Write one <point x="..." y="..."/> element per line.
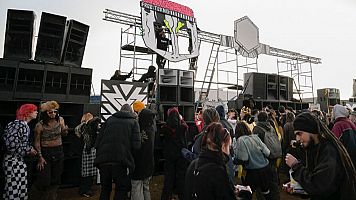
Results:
<point x="223" y="64"/>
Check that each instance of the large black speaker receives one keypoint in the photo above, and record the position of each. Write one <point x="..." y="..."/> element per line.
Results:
<point x="75" y="41"/>
<point x="285" y="88"/>
<point x="19" y="34"/>
<point x="328" y="97"/>
<point x="50" y="38"/>
<point x="255" y="85"/>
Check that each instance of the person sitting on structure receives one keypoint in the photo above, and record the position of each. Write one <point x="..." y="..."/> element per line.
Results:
<point x="117" y="76"/>
<point x="162" y="43"/>
<point x="149" y="76"/>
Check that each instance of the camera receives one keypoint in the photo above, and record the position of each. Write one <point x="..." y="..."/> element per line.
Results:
<point x="297" y="144"/>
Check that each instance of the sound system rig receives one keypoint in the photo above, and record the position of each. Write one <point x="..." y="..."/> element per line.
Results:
<point x="175" y="88"/>
<point x="327" y="97"/>
<point x="268" y="89"/>
<point x="53" y="72"/>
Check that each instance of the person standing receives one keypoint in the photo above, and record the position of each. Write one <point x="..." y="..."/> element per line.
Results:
<point x="88" y="131"/>
<point x="17" y="146"/>
<point x="118" y="137"/>
<point x="253" y="154"/>
<point x="206" y="177"/>
<point x="162" y="43"/>
<point x="48" y="142"/>
<point x="329" y="172"/>
<point x="175" y="165"/>
<point x="144" y="161"/>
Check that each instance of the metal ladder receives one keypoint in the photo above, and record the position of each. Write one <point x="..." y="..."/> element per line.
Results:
<point x="209" y="72"/>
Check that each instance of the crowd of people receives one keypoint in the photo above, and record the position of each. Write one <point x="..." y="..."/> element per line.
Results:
<point x="230" y="155"/>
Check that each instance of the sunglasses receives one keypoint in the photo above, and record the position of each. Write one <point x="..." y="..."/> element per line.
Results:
<point x="52" y="111"/>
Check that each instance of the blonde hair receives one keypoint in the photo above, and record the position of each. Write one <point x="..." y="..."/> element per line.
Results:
<point x="86" y="117"/>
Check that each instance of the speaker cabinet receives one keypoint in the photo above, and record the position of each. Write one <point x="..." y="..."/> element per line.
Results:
<point x="50" y="38"/>
<point x="285" y="88"/>
<point x="272" y="87"/>
<point x="167" y="77"/>
<point x="19" y="34"/>
<point x="75" y="41"/>
<point x="328" y="97"/>
<point x="255" y="85"/>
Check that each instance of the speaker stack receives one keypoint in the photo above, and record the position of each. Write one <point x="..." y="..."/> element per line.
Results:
<point x="59" y="41"/>
<point x="50" y="38"/>
<point x="328" y="97"/>
<point x="268" y="86"/>
<point x="75" y="42"/>
<point x="175" y="88"/>
<point x="19" y="34"/>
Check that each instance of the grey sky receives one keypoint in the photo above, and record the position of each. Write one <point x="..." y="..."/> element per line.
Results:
<point x="320" y="28"/>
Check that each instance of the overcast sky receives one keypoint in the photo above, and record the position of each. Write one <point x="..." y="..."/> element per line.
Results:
<point x="320" y="28"/>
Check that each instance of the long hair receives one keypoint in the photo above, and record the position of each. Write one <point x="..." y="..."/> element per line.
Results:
<point x="214" y="137"/>
<point x="326" y="135"/>
<point x="45" y="118"/>
<point x="242" y="129"/>
<point x="25" y="110"/>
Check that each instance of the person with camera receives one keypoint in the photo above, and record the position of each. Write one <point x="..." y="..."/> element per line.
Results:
<point x="329" y="172"/>
<point x="48" y="142"/>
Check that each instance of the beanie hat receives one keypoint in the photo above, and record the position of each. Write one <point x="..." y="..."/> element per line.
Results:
<point x="221" y="111"/>
<point x="138" y="106"/>
<point x="306" y="122"/>
<point x="49" y="105"/>
<point x="340" y="111"/>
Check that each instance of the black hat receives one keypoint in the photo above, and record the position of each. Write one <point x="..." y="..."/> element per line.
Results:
<point x="306" y="122"/>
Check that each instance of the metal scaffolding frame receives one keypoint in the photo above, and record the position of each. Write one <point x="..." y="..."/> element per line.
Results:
<point x="302" y="74"/>
<point x="243" y="64"/>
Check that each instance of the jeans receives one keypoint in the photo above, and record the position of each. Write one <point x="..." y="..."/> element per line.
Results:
<point x="119" y="175"/>
<point x="86" y="184"/>
<point x="141" y="189"/>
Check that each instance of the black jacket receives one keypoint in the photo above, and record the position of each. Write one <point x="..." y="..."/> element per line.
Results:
<point x="144" y="161"/>
<point x="212" y="182"/>
<point x="323" y="177"/>
<point x="173" y="142"/>
<point x="116" y="140"/>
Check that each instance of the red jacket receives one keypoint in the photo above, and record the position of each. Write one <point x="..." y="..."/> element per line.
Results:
<point x="341" y="124"/>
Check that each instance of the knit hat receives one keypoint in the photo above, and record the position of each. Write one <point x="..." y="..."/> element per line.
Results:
<point x="340" y="111"/>
<point x="49" y="105"/>
<point x="138" y="106"/>
<point x="306" y="122"/>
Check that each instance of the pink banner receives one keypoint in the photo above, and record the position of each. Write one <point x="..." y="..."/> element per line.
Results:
<point x="171" y="6"/>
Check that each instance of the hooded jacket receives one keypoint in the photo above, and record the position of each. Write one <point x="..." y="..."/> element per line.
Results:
<point x="323" y="177"/>
<point x="341" y="124"/>
<point x="116" y="140"/>
<point x="144" y="161"/>
<point x="212" y="181"/>
<point x="220" y="109"/>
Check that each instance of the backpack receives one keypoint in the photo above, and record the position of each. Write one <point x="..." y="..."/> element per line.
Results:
<point x="348" y="139"/>
<point x="272" y="143"/>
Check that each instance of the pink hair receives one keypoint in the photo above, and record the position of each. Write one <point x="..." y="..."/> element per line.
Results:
<point x="25" y="110"/>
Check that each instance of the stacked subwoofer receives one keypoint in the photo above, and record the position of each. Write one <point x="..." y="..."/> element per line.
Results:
<point x="175" y="88"/>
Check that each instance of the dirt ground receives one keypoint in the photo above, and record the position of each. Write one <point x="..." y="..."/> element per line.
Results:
<point x="155" y="187"/>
